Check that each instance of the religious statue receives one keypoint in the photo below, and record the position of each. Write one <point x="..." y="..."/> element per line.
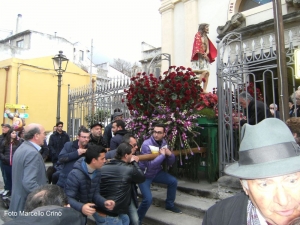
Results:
<point x="204" y="53"/>
<point x="17" y="122"/>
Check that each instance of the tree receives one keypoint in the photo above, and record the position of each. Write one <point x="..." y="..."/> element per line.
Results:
<point x="125" y="67"/>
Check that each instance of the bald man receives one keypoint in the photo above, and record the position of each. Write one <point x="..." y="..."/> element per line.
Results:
<point x="28" y="168"/>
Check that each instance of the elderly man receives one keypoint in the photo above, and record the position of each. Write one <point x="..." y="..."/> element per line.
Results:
<point x="28" y="168"/>
<point x="256" y="111"/>
<point x="269" y="172"/>
<point x="274" y="111"/>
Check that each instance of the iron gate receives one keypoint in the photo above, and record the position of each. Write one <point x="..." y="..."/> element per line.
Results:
<point x="90" y="104"/>
<point x="239" y="64"/>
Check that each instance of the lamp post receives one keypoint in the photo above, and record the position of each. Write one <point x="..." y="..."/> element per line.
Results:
<point x="60" y="63"/>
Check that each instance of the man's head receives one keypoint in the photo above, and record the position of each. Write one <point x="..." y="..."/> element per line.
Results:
<point x="159" y="132"/>
<point x="5" y="128"/>
<point x="118" y="125"/>
<point x="95" y="156"/>
<point x="96" y="129"/>
<point x="54" y="128"/>
<point x="273" y="106"/>
<point x="203" y="28"/>
<point x="124" y="152"/>
<point x="117" y="116"/>
<point x="46" y="195"/>
<point x="294" y="124"/>
<point x="59" y="126"/>
<point x="83" y="136"/>
<point x="35" y="133"/>
<point x="296" y="96"/>
<point x="269" y="168"/>
<point x="245" y="98"/>
<point x="130" y="139"/>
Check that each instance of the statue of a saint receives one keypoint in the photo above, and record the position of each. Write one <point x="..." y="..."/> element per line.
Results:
<point x="204" y="53"/>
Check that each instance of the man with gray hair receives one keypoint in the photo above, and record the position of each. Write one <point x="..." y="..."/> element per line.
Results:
<point x="28" y="168"/>
<point x="256" y="111"/>
<point x="274" y="111"/>
<point x="269" y="172"/>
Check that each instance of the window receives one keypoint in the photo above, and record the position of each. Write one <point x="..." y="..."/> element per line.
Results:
<point x="249" y="4"/>
<point x="81" y="55"/>
<point x="20" y="43"/>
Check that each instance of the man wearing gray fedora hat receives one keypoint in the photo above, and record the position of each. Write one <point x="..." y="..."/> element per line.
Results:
<point x="269" y="171"/>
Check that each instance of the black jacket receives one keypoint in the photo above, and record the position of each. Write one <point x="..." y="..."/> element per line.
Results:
<point x="107" y="134"/>
<point x="262" y="111"/>
<point x="56" y="144"/>
<point x="117" y="139"/>
<point x="5" y="152"/>
<point x="97" y="141"/>
<point x="117" y="178"/>
<point x="230" y="211"/>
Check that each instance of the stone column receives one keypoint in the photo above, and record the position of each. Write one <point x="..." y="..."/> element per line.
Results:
<point x="167" y="31"/>
<point x="191" y="27"/>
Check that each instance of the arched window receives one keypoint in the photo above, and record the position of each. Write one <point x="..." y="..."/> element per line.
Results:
<point x="249" y="4"/>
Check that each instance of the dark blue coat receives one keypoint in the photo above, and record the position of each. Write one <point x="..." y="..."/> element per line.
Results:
<point x="67" y="157"/>
<point x="56" y="144"/>
<point x="81" y="188"/>
<point x="117" y="139"/>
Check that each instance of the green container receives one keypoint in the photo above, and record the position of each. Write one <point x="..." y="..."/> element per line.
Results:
<point x="209" y="139"/>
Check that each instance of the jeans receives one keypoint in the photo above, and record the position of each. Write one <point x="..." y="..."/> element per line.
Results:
<point x="4" y="176"/>
<point x="122" y="219"/>
<point x="163" y="178"/>
<point x="132" y="213"/>
<point x="7" y="169"/>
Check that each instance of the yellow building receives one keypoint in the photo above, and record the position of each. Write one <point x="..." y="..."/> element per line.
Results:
<point x="33" y="82"/>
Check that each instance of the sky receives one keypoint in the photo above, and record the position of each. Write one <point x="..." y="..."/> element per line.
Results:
<point x="117" y="27"/>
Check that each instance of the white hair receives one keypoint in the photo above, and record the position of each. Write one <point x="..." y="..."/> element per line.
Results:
<point x="274" y="105"/>
<point x="244" y="183"/>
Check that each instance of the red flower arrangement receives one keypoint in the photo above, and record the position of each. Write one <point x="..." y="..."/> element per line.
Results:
<point x="142" y="91"/>
<point x="180" y="88"/>
<point x="251" y="89"/>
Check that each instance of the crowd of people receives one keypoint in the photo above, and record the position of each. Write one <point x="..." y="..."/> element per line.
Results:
<point x="98" y="179"/>
<point x="98" y="175"/>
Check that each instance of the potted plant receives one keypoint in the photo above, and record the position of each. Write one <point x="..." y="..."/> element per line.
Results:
<point x="207" y="107"/>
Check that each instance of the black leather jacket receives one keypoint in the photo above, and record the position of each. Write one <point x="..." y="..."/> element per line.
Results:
<point x="117" y="177"/>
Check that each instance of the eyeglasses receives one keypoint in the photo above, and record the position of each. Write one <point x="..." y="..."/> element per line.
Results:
<point x="86" y="137"/>
<point x="271" y="108"/>
<point x="157" y="132"/>
<point x="134" y="145"/>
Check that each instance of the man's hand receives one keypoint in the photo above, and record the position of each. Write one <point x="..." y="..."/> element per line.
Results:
<point x="168" y="152"/>
<point x="81" y="151"/>
<point x="109" y="204"/>
<point x="88" y="209"/>
<point x="162" y="151"/>
<point x="134" y="158"/>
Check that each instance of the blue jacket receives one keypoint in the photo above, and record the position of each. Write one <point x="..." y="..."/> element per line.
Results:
<point x="116" y="140"/>
<point x="111" y="154"/>
<point x="81" y="188"/>
<point x="67" y="157"/>
<point x="153" y="167"/>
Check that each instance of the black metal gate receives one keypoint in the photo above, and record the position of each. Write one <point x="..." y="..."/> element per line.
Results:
<point x="241" y="64"/>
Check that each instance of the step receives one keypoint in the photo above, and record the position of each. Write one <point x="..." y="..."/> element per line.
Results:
<point x="159" y="216"/>
<point x="191" y="205"/>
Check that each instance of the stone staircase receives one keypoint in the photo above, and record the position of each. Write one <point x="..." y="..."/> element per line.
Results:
<point x="193" y="198"/>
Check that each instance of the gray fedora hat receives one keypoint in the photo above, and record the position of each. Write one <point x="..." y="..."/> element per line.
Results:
<point x="267" y="149"/>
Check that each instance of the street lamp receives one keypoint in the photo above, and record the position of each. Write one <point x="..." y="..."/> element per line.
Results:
<point x="60" y="63"/>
